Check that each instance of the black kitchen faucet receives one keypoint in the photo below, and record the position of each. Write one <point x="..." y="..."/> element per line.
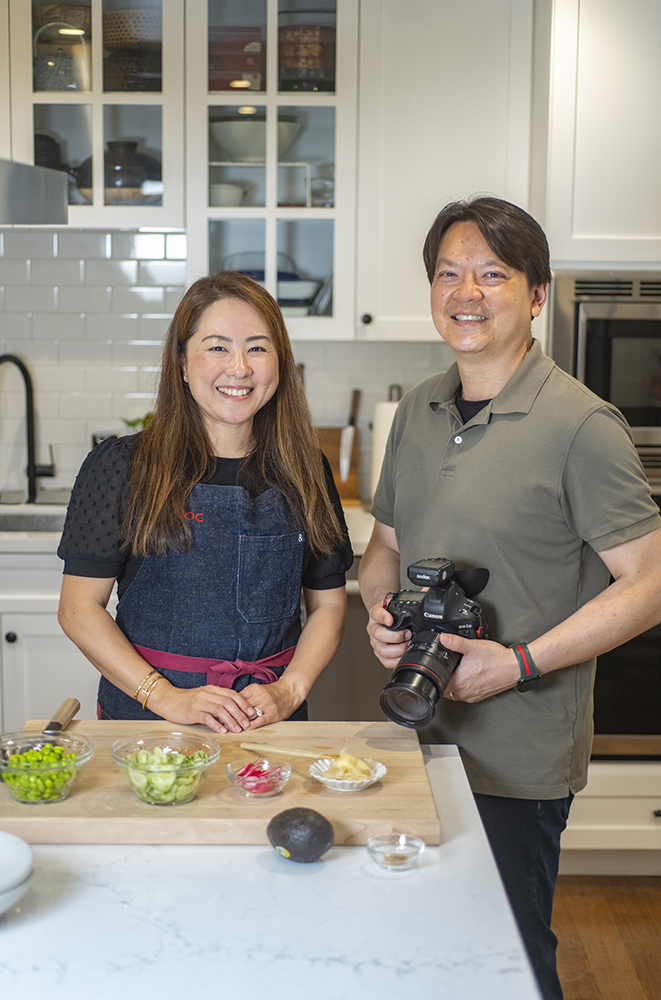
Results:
<point x="34" y="471"/>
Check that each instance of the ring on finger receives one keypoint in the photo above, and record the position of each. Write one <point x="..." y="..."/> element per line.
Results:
<point x="259" y="712"/>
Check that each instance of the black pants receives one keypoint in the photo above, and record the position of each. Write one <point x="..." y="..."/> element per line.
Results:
<point x="524" y="835"/>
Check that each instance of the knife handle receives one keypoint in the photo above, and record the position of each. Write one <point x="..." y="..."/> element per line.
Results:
<point x="64" y="714"/>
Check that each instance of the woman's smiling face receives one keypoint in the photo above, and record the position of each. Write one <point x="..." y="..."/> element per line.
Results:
<point x="231" y="366"/>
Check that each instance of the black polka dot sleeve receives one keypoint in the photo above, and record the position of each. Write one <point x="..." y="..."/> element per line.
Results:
<point x="91" y="543"/>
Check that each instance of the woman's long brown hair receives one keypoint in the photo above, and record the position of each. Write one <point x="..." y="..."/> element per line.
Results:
<point x="174" y="452"/>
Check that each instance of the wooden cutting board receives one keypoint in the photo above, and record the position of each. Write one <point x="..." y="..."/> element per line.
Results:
<point x="103" y="809"/>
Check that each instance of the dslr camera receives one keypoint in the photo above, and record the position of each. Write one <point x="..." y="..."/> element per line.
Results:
<point x="422" y="674"/>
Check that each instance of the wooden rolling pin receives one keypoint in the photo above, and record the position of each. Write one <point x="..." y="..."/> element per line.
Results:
<point x="284" y="751"/>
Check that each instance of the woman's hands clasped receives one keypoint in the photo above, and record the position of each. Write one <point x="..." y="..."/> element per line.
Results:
<point x="225" y="710"/>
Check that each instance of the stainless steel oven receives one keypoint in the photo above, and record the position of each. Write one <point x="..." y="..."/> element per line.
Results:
<point x="605" y="329"/>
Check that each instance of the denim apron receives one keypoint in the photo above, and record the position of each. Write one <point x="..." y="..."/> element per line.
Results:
<point x="233" y="597"/>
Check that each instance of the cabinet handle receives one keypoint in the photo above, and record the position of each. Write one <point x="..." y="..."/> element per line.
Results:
<point x="366" y="318"/>
<point x="657" y="812"/>
<point x="11" y="637"/>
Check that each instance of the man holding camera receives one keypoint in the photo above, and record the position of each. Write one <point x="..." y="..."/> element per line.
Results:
<point x="508" y="463"/>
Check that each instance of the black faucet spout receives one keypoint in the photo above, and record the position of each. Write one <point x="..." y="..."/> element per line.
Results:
<point x="33" y="469"/>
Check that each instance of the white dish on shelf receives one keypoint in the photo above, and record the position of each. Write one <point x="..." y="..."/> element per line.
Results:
<point x="244" y="139"/>
<point x="225" y="195"/>
<point x="318" y="769"/>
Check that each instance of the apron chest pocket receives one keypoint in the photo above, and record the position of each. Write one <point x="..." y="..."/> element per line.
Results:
<point x="269" y="584"/>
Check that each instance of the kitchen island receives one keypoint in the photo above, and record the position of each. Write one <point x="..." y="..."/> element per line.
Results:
<point x="136" y="922"/>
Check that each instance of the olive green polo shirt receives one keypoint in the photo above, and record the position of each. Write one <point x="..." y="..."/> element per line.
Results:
<point x="533" y="487"/>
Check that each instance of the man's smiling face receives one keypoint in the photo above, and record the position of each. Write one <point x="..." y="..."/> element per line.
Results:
<point x="479" y="304"/>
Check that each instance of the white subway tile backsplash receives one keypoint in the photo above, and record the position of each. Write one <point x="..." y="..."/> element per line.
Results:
<point x="162" y="272"/>
<point x="61" y="432"/>
<point x="28" y="243"/>
<point x="59" y="378"/>
<point x="89" y="315"/>
<point x="136" y="353"/>
<point x="86" y="299"/>
<point x="352" y="356"/>
<point x="153" y="327"/>
<point x="123" y="379"/>
<point x="148" y="380"/>
<point x="29" y="298"/>
<point x="139" y="299"/>
<point x="86" y="352"/>
<point x="81" y="243"/>
<point x="172" y="299"/>
<point x="86" y="405"/>
<point x="14" y="325"/>
<point x="394" y="355"/>
<point x="140" y="246"/>
<point x="56" y="272"/>
<point x="110" y="326"/>
<point x="111" y="272"/>
<point x="61" y="326"/>
<point x="14" y="272"/>
<point x="42" y="352"/>
<point x="176" y="246"/>
<point x="47" y="406"/>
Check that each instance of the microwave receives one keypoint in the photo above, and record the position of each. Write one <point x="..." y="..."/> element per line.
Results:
<point x="605" y="330"/>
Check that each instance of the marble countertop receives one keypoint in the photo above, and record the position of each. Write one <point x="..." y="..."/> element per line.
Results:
<point x="136" y="922"/>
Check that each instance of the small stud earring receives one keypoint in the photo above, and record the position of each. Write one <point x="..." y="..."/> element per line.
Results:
<point x="185" y="378"/>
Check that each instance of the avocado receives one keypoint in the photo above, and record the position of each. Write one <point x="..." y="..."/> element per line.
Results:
<point x="300" y="834"/>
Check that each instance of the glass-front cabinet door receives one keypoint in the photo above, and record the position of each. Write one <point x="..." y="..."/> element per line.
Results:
<point x="97" y="92"/>
<point x="271" y="123"/>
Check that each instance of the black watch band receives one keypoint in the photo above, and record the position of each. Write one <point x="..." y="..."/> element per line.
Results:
<point x="529" y="677"/>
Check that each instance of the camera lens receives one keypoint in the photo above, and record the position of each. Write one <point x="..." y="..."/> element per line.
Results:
<point x="418" y="681"/>
<point x="409" y="699"/>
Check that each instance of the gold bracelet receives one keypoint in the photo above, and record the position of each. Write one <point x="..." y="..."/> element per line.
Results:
<point x="150" y="689"/>
<point x="145" y="678"/>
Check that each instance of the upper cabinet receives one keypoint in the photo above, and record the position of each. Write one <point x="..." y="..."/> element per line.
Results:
<point x="97" y="91"/>
<point x="444" y="113"/>
<point x="604" y="195"/>
<point x="271" y="139"/>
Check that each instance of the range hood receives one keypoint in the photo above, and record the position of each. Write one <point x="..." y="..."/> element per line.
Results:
<point x="32" y="196"/>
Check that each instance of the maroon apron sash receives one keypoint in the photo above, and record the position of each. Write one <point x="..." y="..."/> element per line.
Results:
<point x="222" y="673"/>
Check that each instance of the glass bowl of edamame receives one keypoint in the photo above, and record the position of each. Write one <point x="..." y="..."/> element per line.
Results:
<point x="40" y="768"/>
<point x="165" y="769"/>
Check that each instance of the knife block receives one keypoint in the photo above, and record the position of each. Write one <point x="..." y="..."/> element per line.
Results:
<point x="329" y="442"/>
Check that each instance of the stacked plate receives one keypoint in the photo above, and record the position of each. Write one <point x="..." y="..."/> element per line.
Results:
<point x="15" y="869"/>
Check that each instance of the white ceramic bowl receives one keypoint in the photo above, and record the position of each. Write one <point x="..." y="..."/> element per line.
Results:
<point x="15" y="869"/>
<point x="318" y="769"/>
<point x="245" y="138"/>
<point x="225" y="195"/>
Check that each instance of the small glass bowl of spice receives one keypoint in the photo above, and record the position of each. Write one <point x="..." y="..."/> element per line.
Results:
<point x="258" y="778"/>
<point x="395" y="851"/>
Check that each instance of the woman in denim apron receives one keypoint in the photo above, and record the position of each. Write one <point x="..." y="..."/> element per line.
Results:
<point x="210" y="521"/>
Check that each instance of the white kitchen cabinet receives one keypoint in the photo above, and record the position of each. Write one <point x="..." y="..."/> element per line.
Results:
<point x="39" y="665"/>
<point x="97" y="90"/>
<point x="614" y="824"/>
<point x="444" y="113"/>
<point x="603" y="189"/>
<point x="281" y="207"/>
<point x="40" y="668"/>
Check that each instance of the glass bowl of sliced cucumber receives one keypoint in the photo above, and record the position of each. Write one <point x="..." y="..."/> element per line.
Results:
<point x="165" y="769"/>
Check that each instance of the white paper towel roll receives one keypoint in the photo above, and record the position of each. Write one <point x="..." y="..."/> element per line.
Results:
<point x="383" y="416"/>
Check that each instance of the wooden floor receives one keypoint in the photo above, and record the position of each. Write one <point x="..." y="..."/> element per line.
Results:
<point x="609" y="937"/>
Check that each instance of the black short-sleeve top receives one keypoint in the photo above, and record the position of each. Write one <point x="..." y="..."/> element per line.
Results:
<point x="91" y="543"/>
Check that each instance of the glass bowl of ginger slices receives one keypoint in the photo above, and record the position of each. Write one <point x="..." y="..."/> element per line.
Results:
<point x="347" y="773"/>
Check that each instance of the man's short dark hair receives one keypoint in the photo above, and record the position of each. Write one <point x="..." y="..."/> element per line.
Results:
<point x="511" y="233"/>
